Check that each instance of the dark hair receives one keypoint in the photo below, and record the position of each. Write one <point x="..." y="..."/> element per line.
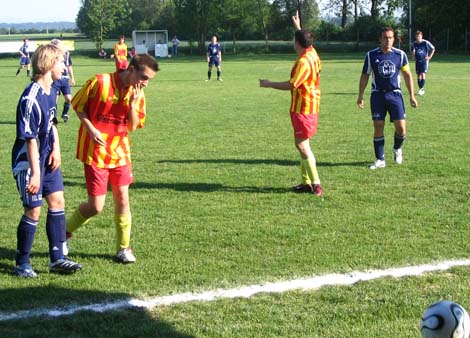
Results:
<point x="386" y="29"/>
<point x="304" y="38"/>
<point x="141" y="60"/>
<point x="419" y="32"/>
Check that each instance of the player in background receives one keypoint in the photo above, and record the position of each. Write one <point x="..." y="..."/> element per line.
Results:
<point x="120" y="54"/>
<point x="63" y="84"/>
<point x="174" y="48"/>
<point x="24" y="58"/>
<point x="214" y="57"/>
<point x="304" y="85"/>
<point x="423" y="51"/>
<point x="36" y="164"/>
<point x="385" y="63"/>
<point x="103" y="143"/>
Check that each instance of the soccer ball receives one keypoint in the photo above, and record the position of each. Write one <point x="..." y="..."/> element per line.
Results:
<point x="445" y="319"/>
<point x="169" y="56"/>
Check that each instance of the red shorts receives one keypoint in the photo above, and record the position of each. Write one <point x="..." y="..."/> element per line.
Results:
<point x="97" y="178"/>
<point x="121" y="64"/>
<point x="305" y="125"/>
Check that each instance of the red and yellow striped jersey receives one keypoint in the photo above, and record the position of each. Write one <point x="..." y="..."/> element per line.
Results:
<point x="120" y="51"/>
<point x="305" y="79"/>
<point x="107" y="105"/>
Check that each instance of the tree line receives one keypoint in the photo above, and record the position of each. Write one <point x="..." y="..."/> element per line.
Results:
<point x="234" y="20"/>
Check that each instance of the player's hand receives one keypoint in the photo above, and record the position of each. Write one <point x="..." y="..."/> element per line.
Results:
<point x="55" y="159"/>
<point x="264" y="83"/>
<point x="413" y="102"/>
<point x="360" y="103"/>
<point x="96" y="136"/>
<point x="34" y="183"/>
<point x="296" y="21"/>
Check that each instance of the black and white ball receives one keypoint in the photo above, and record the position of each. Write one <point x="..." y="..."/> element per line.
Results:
<point x="445" y="319"/>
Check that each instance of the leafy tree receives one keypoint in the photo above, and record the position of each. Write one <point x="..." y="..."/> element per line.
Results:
<point x="98" y="18"/>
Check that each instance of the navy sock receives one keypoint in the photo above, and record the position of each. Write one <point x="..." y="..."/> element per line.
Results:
<point x="66" y="108"/>
<point x="398" y="141"/>
<point x="218" y="74"/>
<point x="209" y="73"/>
<point x="379" y="144"/>
<point x="25" y="237"/>
<point x="55" y="228"/>
<point x="423" y="81"/>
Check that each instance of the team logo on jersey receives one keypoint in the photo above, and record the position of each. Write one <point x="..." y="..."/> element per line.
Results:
<point x="386" y="69"/>
<point x="421" y="52"/>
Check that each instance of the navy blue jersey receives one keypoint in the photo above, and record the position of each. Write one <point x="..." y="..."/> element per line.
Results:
<point x="24" y="49"/>
<point x="68" y="63"/>
<point x="213" y="49"/>
<point x="385" y="68"/>
<point x="34" y="119"/>
<point x="423" y="49"/>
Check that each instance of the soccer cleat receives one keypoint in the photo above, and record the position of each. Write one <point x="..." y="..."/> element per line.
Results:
<point x="303" y="188"/>
<point x="25" y="270"/>
<point x="377" y="164"/>
<point x="317" y="190"/>
<point x="64" y="266"/>
<point x="65" y="117"/>
<point x="220" y="79"/>
<point x="398" y="155"/>
<point x="126" y="256"/>
<point x="421" y="92"/>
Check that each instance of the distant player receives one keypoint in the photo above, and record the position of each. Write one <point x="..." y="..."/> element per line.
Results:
<point x="63" y="84"/>
<point x="36" y="164"/>
<point x="214" y="57"/>
<point x="423" y="51"/>
<point x="24" y="58"/>
<point x="120" y="54"/>
<point x="385" y="63"/>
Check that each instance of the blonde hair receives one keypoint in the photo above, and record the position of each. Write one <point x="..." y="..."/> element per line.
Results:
<point x="44" y="59"/>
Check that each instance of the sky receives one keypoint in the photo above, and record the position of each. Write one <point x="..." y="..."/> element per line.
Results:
<point x="21" y="11"/>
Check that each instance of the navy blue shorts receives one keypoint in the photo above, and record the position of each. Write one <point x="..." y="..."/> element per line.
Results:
<point x="63" y="86"/>
<point x="421" y="67"/>
<point x="51" y="181"/>
<point x="214" y="60"/>
<point x="24" y="60"/>
<point x="391" y="102"/>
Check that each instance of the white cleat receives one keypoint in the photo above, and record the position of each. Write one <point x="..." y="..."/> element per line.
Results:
<point x="421" y="92"/>
<point x="126" y="256"/>
<point x="377" y="164"/>
<point x="398" y="155"/>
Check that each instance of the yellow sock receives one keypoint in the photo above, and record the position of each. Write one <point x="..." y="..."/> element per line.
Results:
<point x="75" y="221"/>
<point x="123" y="224"/>
<point x="311" y="168"/>
<point x="304" y="174"/>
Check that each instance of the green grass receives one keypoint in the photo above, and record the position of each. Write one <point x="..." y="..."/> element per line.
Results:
<point x="212" y="208"/>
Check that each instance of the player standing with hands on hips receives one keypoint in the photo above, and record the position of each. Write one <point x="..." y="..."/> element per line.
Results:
<point x="385" y="64"/>
<point x="214" y="57"/>
<point x="110" y="106"/>
<point x="304" y="85"/>
<point x="36" y="164"/>
<point x="423" y="51"/>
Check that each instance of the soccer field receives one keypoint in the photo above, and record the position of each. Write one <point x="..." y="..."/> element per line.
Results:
<point x="212" y="209"/>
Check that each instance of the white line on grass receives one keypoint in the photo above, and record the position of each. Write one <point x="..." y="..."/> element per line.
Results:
<point x="311" y="283"/>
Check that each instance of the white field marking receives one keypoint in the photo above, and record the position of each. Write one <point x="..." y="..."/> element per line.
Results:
<point x="311" y="283"/>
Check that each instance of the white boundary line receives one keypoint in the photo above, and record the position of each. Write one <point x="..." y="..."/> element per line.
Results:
<point x="311" y="283"/>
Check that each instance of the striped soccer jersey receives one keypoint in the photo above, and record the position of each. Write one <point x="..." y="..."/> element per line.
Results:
<point x="107" y="105"/>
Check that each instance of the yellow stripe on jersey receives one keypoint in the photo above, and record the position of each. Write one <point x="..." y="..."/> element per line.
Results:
<point x="405" y="68"/>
